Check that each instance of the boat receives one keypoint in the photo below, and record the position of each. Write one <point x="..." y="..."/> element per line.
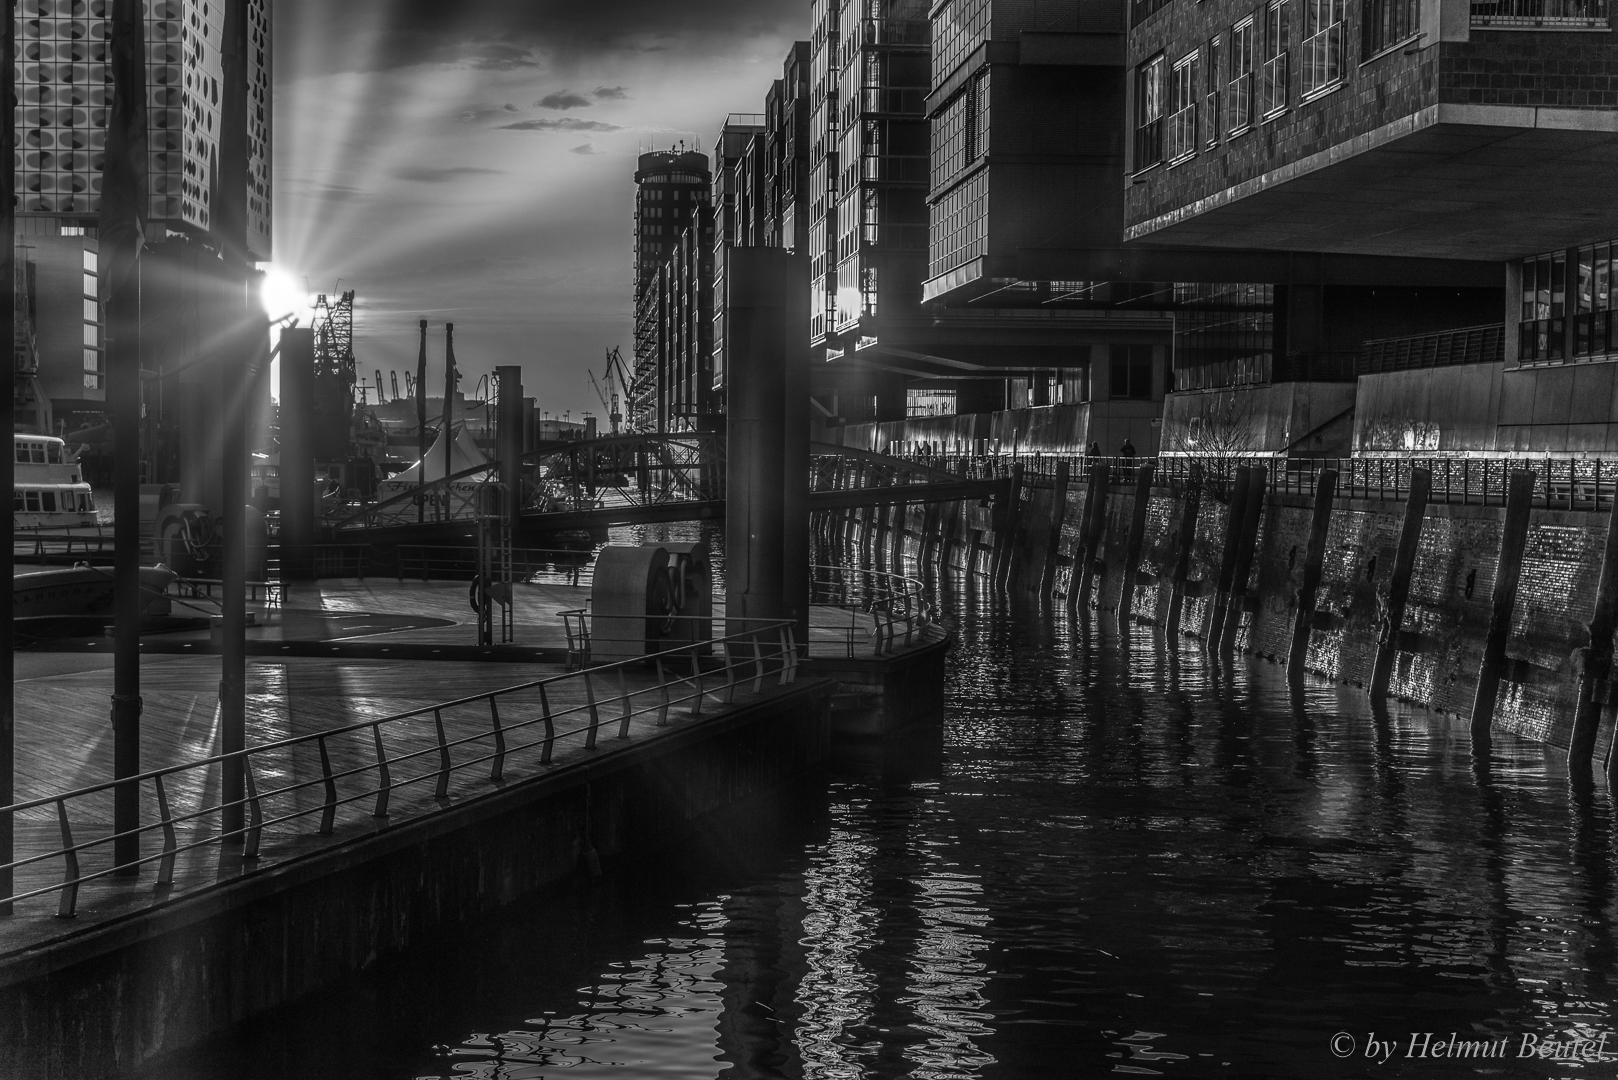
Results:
<point x="50" y="491"/>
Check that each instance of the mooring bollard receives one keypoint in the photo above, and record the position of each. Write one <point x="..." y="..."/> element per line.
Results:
<point x="1404" y="562"/>
<point x="1314" y="566"/>
<point x="1513" y="542"/>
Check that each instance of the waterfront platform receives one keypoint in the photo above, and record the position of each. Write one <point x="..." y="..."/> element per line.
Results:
<point x="65" y="739"/>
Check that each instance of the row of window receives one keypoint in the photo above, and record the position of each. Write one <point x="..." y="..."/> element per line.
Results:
<point x="1569" y="308"/>
<point x="46" y="502"/>
<point x="1244" y="75"/>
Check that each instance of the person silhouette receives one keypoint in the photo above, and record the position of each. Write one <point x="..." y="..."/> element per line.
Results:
<point x="1128" y="449"/>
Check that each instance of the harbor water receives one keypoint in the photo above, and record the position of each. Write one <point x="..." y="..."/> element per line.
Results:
<point x="1118" y="856"/>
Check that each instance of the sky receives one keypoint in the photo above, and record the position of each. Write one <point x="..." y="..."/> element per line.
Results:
<point x="472" y="162"/>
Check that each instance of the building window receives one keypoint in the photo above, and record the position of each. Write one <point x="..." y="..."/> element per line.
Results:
<point x="1131" y="373"/>
<point x="1273" y="79"/>
<point x="1322" y="45"/>
<point x="1544" y="308"/>
<point x="957" y="229"/>
<point x="1182" y="126"/>
<point x="1239" y="91"/>
<point x="1595" y="323"/>
<point x="1210" y="108"/>
<point x="1538" y="14"/>
<point x="1389" y="23"/>
<point x="1149" y="94"/>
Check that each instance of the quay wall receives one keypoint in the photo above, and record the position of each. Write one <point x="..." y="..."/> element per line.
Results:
<point x="126" y="992"/>
<point x="1030" y="553"/>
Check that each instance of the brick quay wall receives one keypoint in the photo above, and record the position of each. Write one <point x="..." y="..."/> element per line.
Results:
<point x="1030" y="552"/>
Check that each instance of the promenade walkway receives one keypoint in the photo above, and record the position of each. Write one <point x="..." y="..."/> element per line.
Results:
<point x="65" y="742"/>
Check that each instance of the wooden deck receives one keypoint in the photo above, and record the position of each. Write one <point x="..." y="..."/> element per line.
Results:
<point x="65" y="737"/>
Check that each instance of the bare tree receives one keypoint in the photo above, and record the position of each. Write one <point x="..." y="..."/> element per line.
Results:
<point x="1220" y="434"/>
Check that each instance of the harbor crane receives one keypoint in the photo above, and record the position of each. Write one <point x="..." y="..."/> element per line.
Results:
<point x="615" y="390"/>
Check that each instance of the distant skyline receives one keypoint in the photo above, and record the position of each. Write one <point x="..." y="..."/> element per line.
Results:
<point x="474" y="163"/>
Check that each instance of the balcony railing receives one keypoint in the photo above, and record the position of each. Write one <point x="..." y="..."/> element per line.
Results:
<point x="1469" y="345"/>
<point x="1149" y="144"/>
<point x="1273" y="85"/>
<point x="1539" y="14"/>
<point x="1323" y="59"/>
<point x="1182" y="135"/>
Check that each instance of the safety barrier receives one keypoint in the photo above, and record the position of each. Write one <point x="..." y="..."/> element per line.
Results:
<point x="356" y="764"/>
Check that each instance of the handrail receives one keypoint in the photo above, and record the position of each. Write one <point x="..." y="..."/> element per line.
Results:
<point x="887" y="597"/>
<point x="781" y="658"/>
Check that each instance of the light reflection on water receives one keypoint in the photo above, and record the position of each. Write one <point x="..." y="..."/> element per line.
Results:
<point x="1123" y="858"/>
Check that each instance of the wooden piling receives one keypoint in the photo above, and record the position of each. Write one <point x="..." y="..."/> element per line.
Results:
<point x="1136" y="539"/>
<point x="1404" y="562"/>
<point x="1053" y="541"/>
<point x="1596" y="675"/>
<point x="1234" y="513"/>
<point x="1246" y="548"/>
<point x="1095" y="520"/>
<point x="1314" y="566"/>
<point x="1006" y="532"/>
<point x="1187" y="542"/>
<point x="1513" y="542"/>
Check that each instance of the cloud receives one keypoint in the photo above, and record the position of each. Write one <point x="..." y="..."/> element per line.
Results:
<point x="565" y="123"/>
<point x="479" y="113"/>
<point x="507" y="34"/>
<point x="426" y="174"/>
<point x="563" y="99"/>
<point x="586" y="149"/>
<point x="611" y="93"/>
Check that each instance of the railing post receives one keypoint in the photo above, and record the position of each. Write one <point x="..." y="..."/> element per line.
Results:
<point x="550" y="726"/>
<point x="70" y="881"/>
<point x="498" y="770"/>
<point x="442" y="790"/>
<point x="165" y="867"/>
<point x="328" y="813"/>
<point x="696" y="678"/>
<point x="663" y="695"/>
<point x="595" y="712"/>
<point x="628" y="704"/>
<point x="384" y="774"/>
<point x="758" y="666"/>
<point x="255" y="810"/>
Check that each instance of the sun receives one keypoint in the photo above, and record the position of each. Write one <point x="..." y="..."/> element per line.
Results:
<point x="285" y="294"/>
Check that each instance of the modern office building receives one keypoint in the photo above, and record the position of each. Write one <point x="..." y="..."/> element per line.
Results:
<point x="786" y="154"/>
<point x="62" y="87"/>
<point x="673" y="370"/>
<point x="738" y="217"/>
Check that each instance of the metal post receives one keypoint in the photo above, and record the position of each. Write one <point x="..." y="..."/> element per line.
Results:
<point x="421" y="427"/>
<point x="123" y="206"/>
<point x="8" y="468"/>
<point x="236" y="383"/>
<point x="449" y="412"/>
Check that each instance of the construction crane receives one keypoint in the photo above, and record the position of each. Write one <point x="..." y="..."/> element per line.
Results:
<point x="616" y="388"/>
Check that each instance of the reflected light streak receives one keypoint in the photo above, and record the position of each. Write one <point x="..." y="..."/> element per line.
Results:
<point x="837" y="990"/>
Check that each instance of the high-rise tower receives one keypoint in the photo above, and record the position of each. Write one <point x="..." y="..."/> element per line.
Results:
<point x="673" y="290"/>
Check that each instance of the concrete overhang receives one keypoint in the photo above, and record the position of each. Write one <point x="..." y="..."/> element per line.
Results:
<point x="1001" y="346"/>
<point x="1148" y="261"/>
<point x="1464" y="182"/>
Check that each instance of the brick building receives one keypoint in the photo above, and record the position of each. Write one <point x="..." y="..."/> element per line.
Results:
<point x="673" y="371"/>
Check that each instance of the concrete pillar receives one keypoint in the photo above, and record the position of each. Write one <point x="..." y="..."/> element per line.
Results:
<point x="1182" y="555"/>
<point x="1597" y="661"/>
<point x="509" y="436"/>
<point x="1136" y="539"/>
<point x="1508" y="570"/>
<point x="1053" y="541"/>
<point x="201" y="479"/>
<point x="1404" y="562"/>
<point x="763" y="341"/>
<point x="1095" y="520"/>
<point x="1227" y="558"/>
<point x="297" y="454"/>
<point x="1246" y="548"/>
<point x="1314" y="565"/>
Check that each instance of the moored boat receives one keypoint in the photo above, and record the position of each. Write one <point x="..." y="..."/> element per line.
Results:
<point x="77" y="591"/>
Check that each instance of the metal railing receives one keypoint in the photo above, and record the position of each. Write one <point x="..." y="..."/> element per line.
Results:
<point x="1561" y="483"/>
<point x="892" y="600"/>
<point x="444" y="562"/>
<point x="1468" y="345"/>
<point x="357" y="766"/>
<point x="1532" y="14"/>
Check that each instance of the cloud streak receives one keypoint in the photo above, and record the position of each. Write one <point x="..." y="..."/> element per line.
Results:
<point x="563" y="99"/>
<point x="563" y="123"/>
